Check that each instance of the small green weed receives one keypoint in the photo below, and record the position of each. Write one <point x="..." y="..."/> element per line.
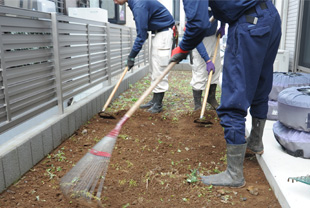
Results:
<point x="132" y="183"/>
<point x="129" y="164"/>
<point x="192" y="178"/>
<point x="123" y="136"/>
<point x="122" y="182"/>
<point x="216" y="170"/>
<point x="126" y="205"/>
<point x="60" y="156"/>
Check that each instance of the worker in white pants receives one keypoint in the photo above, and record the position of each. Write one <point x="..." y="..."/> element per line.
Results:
<point x="152" y="16"/>
<point x="160" y="53"/>
<point x="202" y="65"/>
<point x="200" y="74"/>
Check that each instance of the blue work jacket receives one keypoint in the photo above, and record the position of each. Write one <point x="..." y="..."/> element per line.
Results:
<point x="149" y="15"/>
<point x="210" y="31"/>
<point x="197" y="17"/>
<point x="230" y="11"/>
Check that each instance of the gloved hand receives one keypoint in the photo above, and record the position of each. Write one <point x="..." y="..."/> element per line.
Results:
<point x="210" y="67"/>
<point x="178" y="55"/>
<point x="130" y="62"/>
<point x="221" y="30"/>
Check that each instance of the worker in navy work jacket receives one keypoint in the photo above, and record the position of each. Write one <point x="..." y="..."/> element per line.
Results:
<point x="253" y="39"/>
<point x="151" y="15"/>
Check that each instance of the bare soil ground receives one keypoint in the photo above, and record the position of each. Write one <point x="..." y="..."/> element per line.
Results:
<point x="153" y="159"/>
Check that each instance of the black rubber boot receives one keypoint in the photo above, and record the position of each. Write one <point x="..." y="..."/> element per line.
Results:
<point x="211" y="97"/>
<point x="149" y="104"/>
<point x="233" y="175"/>
<point x="197" y="99"/>
<point x="157" y="106"/>
<point x="255" y="140"/>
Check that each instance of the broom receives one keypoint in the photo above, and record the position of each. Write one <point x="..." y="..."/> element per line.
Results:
<point x="84" y="182"/>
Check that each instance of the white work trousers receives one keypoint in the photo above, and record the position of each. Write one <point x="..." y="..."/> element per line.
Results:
<point x="199" y="72"/>
<point x="160" y="55"/>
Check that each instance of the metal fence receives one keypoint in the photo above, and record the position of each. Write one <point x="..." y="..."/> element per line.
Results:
<point x="48" y="58"/>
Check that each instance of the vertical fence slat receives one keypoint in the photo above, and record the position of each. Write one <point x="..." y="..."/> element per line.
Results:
<point x="88" y="53"/>
<point x="144" y="49"/>
<point x="121" y="44"/>
<point x="109" y="53"/>
<point x="150" y="51"/>
<point x="131" y="41"/>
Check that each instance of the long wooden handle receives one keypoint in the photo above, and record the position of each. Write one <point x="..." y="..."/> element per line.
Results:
<point x="115" y="88"/>
<point x="149" y="90"/>
<point x="209" y="80"/>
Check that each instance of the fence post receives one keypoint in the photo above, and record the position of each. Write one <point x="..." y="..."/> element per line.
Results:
<point x="57" y="63"/>
<point x="121" y="44"/>
<point x="109" y="54"/>
<point x="145" y="49"/>
<point x="150" y="51"/>
<point x="4" y="79"/>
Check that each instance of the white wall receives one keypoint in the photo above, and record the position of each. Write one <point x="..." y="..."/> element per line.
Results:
<point x="291" y="30"/>
<point x="129" y="18"/>
<point x="167" y="4"/>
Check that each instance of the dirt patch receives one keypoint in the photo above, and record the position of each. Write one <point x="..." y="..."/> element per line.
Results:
<point x="153" y="157"/>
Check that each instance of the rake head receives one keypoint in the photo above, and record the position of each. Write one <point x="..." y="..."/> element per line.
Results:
<point x="202" y="121"/>
<point x="103" y="114"/>
<point x="84" y="182"/>
<point x="303" y="179"/>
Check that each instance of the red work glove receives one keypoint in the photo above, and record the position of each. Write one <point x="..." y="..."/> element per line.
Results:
<point x="178" y="55"/>
<point x="210" y="67"/>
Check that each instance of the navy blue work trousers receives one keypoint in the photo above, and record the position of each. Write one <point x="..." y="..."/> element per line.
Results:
<point x="248" y="70"/>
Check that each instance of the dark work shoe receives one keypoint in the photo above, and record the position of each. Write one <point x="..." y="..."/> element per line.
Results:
<point x="233" y="176"/>
<point x="255" y="140"/>
<point x="149" y="104"/>
<point x="197" y="99"/>
<point x="211" y="97"/>
<point x="157" y="106"/>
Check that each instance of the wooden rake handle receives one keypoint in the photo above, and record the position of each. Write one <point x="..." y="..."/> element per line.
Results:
<point x="115" y="88"/>
<point x="149" y="90"/>
<point x="209" y="80"/>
